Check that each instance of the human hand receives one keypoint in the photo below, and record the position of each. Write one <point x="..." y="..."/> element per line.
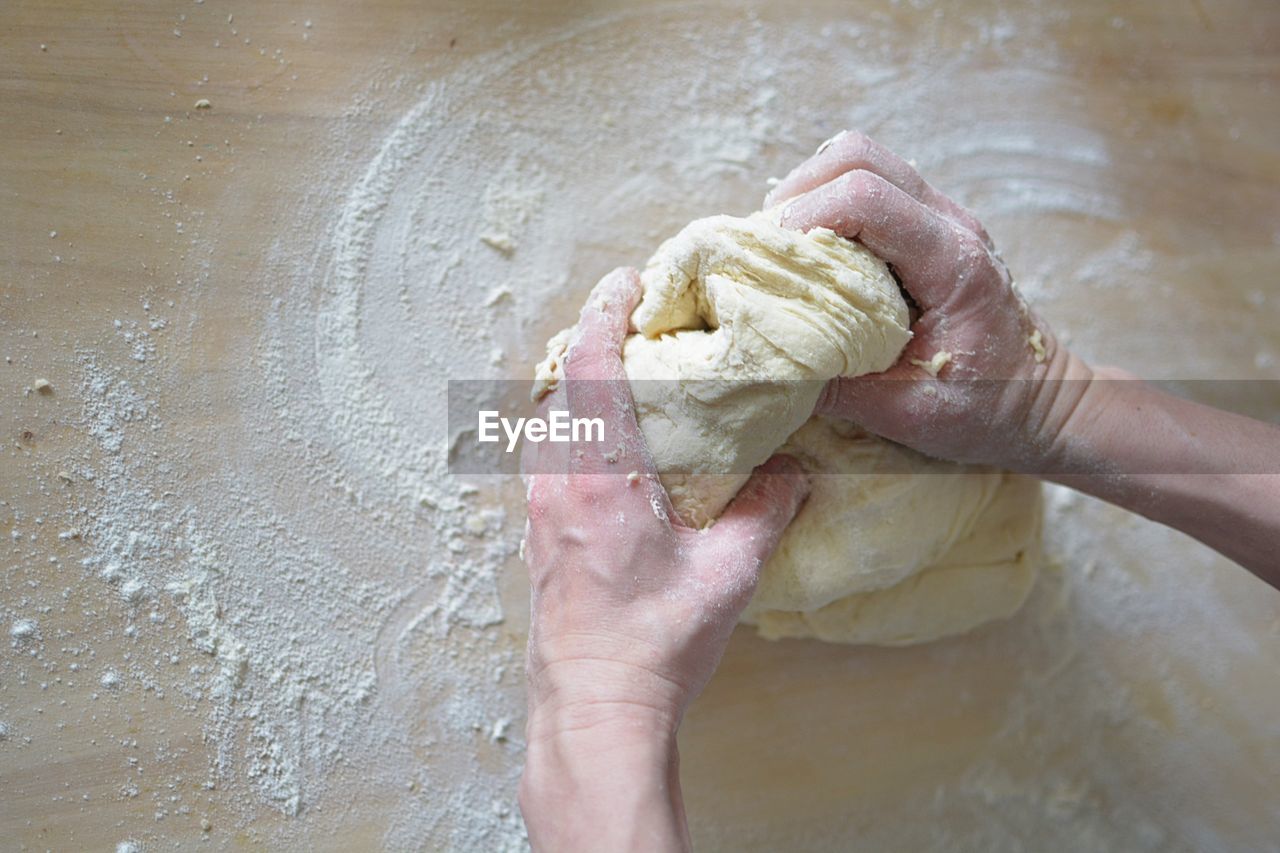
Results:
<point x="998" y="397"/>
<point x="630" y="610"/>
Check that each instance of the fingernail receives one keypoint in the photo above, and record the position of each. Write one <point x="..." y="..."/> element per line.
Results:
<point x="774" y="183"/>
<point x="824" y="146"/>
<point x="783" y="213"/>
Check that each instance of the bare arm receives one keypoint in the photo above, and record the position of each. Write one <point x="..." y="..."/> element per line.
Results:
<point x="1177" y="462"/>
<point x="610" y="783"/>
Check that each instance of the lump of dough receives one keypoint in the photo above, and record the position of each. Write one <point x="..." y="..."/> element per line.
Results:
<point x="894" y="547"/>
<point x="740" y="324"/>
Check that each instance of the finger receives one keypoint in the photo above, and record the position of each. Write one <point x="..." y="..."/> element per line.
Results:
<point x="596" y="386"/>
<point x="546" y="457"/>
<point x="930" y="252"/>
<point x="846" y="398"/>
<point x="849" y="151"/>
<point x="899" y="406"/>
<point x="602" y="325"/>
<point x="747" y="532"/>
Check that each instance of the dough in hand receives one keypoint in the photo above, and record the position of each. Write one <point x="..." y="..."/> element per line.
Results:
<point x="744" y="321"/>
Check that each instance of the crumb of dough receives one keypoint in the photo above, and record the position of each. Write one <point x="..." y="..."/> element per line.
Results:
<point x="633" y="478"/>
<point x="933" y="366"/>
<point x="503" y="242"/>
<point x="1036" y="341"/>
<point x="203" y="104"/>
<point x="497" y="295"/>
<point x="498" y="732"/>
<point x="43" y="386"/>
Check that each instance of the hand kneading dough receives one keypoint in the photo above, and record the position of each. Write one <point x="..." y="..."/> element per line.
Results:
<point x="891" y="547"/>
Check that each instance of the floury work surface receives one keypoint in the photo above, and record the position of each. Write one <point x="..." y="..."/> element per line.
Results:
<point x="244" y="599"/>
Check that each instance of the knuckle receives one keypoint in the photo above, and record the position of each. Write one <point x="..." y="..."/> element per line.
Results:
<point x="855" y="144"/>
<point x="870" y="188"/>
<point x="855" y="188"/>
<point x="585" y="360"/>
<point x="970" y="243"/>
<point x="537" y="499"/>
<point x="591" y="489"/>
<point x="856" y="182"/>
<point x="974" y="261"/>
<point x="971" y="221"/>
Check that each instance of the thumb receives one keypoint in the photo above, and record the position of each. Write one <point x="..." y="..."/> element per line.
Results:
<point x="876" y="401"/>
<point x="747" y="532"/>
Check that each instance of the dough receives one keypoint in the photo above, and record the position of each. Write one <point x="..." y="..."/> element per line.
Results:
<point x="744" y="321"/>
<point x="894" y="547"/>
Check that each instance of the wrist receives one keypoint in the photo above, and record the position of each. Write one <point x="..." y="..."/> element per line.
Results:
<point x="602" y="778"/>
<point x="1065" y="401"/>
<point x="599" y="722"/>
<point x="1079" y="436"/>
<point x="1203" y="471"/>
<point x="582" y="682"/>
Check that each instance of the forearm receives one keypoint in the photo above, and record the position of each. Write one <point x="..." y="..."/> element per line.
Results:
<point x="1211" y="474"/>
<point x="607" y="786"/>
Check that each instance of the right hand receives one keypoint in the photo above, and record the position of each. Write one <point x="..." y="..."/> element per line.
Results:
<point x="630" y="610"/>
<point x="969" y="307"/>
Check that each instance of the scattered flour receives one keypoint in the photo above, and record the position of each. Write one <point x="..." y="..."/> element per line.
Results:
<point x="22" y="629"/>
<point x="309" y="580"/>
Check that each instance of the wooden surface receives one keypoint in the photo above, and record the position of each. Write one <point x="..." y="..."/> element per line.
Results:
<point x="100" y="142"/>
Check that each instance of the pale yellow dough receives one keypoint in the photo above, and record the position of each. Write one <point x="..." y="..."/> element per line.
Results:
<point x="892" y="547"/>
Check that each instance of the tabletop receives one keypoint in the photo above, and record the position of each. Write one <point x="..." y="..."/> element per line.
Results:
<point x="245" y="602"/>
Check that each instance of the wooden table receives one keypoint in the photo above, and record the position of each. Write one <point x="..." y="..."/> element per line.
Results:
<point x="117" y="187"/>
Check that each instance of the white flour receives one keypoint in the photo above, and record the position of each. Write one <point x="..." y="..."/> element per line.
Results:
<point x="311" y="581"/>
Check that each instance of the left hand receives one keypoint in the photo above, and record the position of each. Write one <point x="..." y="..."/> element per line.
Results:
<point x="631" y="610"/>
<point x="1008" y="388"/>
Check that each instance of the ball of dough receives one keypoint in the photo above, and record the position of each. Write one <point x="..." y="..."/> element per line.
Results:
<point x="740" y="325"/>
